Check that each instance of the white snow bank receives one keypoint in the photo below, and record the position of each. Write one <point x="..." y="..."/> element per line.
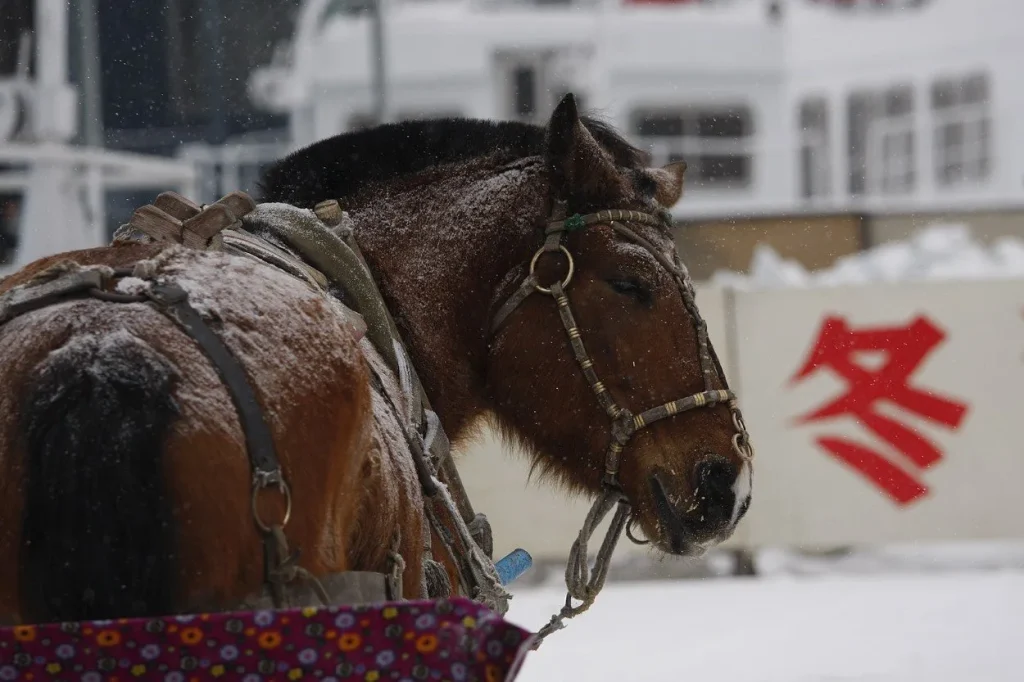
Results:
<point x="940" y="628"/>
<point x="938" y="252"/>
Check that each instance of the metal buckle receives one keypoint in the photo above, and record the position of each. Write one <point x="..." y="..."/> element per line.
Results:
<point x="568" y="277"/>
<point x="266" y="479"/>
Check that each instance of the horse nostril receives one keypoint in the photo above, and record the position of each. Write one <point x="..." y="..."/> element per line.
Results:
<point x="717" y="475"/>
<point x="661" y="502"/>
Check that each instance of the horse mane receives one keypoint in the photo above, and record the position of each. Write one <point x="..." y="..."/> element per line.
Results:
<point x="342" y="165"/>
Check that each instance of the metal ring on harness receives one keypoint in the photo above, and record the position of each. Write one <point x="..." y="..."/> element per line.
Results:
<point x="286" y="490"/>
<point x="568" y="277"/>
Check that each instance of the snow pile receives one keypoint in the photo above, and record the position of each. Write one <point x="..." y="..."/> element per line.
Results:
<point x="938" y="252"/>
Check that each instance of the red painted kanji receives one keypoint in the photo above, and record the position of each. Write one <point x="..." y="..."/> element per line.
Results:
<point x="905" y="348"/>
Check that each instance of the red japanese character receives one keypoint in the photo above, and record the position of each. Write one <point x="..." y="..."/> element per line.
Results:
<point x="905" y="348"/>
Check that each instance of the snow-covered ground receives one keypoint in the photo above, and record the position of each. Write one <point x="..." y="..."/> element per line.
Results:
<point x="938" y="252"/>
<point x="952" y="626"/>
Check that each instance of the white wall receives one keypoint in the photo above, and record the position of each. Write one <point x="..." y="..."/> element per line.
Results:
<point x="832" y="53"/>
<point x="804" y="495"/>
<point x="440" y="53"/>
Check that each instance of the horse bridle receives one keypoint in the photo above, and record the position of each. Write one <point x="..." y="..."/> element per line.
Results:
<point x="624" y="423"/>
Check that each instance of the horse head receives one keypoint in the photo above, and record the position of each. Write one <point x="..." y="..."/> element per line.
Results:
<point x="605" y="367"/>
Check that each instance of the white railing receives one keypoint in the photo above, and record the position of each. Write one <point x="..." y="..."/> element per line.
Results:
<point x="116" y="170"/>
<point x="64" y="187"/>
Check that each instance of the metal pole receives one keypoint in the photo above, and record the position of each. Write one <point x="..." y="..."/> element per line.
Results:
<point x="51" y="29"/>
<point x="52" y="219"/>
<point x="217" y="128"/>
<point x="378" y="67"/>
<point x="91" y="85"/>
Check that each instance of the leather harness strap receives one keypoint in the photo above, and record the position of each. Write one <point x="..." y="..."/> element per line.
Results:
<point x="259" y="441"/>
<point x="280" y="565"/>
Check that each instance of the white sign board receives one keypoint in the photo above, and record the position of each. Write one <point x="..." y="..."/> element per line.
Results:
<point x="888" y="413"/>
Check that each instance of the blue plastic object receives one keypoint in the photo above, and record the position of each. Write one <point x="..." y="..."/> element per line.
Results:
<point x="513" y="566"/>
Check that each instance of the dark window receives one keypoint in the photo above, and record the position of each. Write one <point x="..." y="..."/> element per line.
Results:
<point x="815" y="162"/>
<point x="961" y="133"/>
<point x="705" y="138"/>
<point x="858" y="110"/>
<point x="722" y="125"/>
<point x="524" y="95"/>
<point x="659" y="125"/>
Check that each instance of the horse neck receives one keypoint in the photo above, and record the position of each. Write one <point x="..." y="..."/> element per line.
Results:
<point x="439" y="250"/>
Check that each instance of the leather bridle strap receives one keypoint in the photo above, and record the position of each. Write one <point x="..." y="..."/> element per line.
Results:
<point x="624" y="423"/>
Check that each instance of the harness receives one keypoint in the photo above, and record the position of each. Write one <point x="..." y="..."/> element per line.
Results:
<point x="318" y="248"/>
<point x="624" y="424"/>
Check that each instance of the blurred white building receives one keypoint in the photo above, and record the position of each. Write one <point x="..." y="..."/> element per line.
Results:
<point x="782" y="107"/>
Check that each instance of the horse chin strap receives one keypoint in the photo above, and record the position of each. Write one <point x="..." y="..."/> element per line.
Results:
<point x="624" y="424"/>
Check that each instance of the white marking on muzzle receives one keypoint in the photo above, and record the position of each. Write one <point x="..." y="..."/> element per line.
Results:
<point x="741" y="489"/>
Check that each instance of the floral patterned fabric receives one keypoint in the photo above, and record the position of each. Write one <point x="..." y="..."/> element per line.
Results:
<point x="456" y="639"/>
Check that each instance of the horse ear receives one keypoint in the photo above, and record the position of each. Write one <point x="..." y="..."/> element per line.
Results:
<point x="578" y="164"/>
<point x="668" y="181"/>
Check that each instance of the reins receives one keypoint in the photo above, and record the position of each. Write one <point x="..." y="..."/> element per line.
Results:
<point x="624" y="424"/>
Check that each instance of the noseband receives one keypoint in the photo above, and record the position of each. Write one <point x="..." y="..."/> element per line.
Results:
<point x="624" y="423"/>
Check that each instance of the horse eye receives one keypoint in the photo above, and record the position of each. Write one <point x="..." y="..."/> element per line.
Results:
<point x="633" y="289"/>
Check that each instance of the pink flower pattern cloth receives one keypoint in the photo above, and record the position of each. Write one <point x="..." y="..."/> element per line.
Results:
<point x="454" y="640"/>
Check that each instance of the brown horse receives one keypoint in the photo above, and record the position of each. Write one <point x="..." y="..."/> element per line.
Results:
<point x="533" y="276"/>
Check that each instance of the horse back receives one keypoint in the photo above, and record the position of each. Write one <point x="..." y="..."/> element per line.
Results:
<point x="308" y="374"/>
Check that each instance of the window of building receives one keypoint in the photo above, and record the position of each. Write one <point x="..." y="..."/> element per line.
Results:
<point x="524" y="91"/>
<point x="813" y="133"/>
<point x="881" y="141"/>
<point x="535" y="81"/>
<point x="962" y="129"/>
<point x="10" y="208"/>
<point x="714" y="142"/>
